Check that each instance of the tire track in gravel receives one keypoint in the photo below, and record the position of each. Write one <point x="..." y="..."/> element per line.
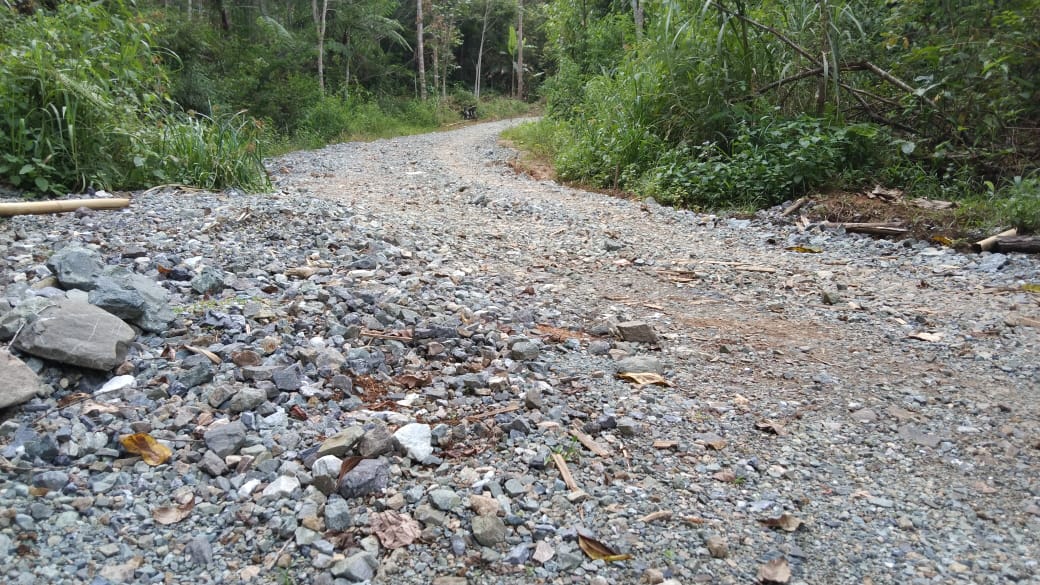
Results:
<point x="888" y="437"/>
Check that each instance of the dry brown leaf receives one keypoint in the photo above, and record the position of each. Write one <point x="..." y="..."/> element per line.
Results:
<point x="775" y="571"/>
<point x="925" y="336"/>
<point x="90" y="407"/>
<point x="348" y="464"/>
<point x="804" y="249"/>
<point x="983" y="488"/>
<point x="412" y="381"/>
<point x="665" y="444"/>
<point x="151" y="451"/>
<point x="203" y="351"/>
<point x="73" y="399"/>
<point x="301" y="272"/>
<point x="394" y="529"/>
<point x="785" y="521"/>
<point x="644" y="378"/>
<point x="173" y="514"/>
<point x="598" y="551"/>
<point x="654" y="516"/>
<point x="771" y="426"/>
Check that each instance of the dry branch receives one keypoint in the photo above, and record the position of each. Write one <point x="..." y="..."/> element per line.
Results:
<point x="795" y="206"/>
<point x="590" y="443"/>
<point x="877" y="229"/>
<point x="59" y="206"/>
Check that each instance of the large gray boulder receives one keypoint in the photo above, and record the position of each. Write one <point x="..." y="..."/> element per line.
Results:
<point x="77" y="333"/>
<point x="19" y="382"/>
<point x="76" y="267"/>
<point x="154" y="301"/>
<point x="27" y="311"/>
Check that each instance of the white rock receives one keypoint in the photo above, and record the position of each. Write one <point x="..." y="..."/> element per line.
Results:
<point x="116" y="384"/>
<point x="248" y="488"/>
<point x="415" y="439"/>
<point x="283" y="487"/>
<point x="327" y="466"/>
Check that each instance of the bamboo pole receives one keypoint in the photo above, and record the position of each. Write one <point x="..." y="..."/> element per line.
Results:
<point x="988" y="244"/>
<point x="59" y="206"/>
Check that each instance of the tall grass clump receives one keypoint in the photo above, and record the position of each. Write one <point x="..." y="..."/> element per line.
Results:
<point x="83" y="103"/>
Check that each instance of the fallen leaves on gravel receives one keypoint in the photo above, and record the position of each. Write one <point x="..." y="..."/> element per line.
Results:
<point x="173" y="514"/>
<point x="804" y="249"/>
<point x="775" y="571"/>
<point x="598" y="551"/>
<point x="785" y="521"/>
<point x="394" y="529"/>
<point x="771" y="426"/>
<point x="641" y="379"/>
<point x="151" y="451"/>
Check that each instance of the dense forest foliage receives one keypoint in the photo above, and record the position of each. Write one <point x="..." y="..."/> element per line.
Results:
<point x="121" y="95"/>
<point x="748" y="103"/>
<point x="703" y="103"/>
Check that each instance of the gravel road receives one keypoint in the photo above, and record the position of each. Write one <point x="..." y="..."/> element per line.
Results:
<point x="815" y="407"/>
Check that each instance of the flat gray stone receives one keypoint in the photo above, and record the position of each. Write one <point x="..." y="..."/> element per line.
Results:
<point x="637" y="331"/>
<point x="368" y="477"/>
<point x="247" y="398"/>
<point x="20" y="383"/>
<point x="342" y="442"/>
<point x="77" y="334"/>
<point x="445" y="499"/>
<point x="225" y="438"/>
<point x="76" y="267"/>
<point x="640" y="364"/>
<point x="356" y="568"/>
<point x="156" y="311"/>
<point x="376" y="440"/>
<point x="337" y="514"/>
<point x="127" y="304"/>
<point x="488" y="530"/>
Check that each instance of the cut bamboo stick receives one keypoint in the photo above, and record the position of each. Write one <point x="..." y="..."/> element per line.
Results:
<point x="987" y="244"/>
<point x="565" y="472"/>
<point x="590" y="443"/>
<point x="59" y="206"/>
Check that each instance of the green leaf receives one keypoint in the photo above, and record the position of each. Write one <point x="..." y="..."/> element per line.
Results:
<point x="42" y="184"/>
<point x="908" y="147"/>
<point x="26" y="169"/>
<point x="139" y="161"/>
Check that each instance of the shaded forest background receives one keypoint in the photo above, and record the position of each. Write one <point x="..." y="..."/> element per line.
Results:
<point x="703" y="103"/>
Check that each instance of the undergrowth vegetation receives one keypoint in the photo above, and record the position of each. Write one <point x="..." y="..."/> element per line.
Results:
<point x="737" y="103"/>
<point x="82" y="104"/>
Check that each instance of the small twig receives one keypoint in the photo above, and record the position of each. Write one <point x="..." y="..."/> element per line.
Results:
<point x="490" y="413"/>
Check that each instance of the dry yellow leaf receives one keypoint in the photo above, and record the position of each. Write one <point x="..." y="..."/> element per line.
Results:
<point x="785" y="521"/>
<point x="775" y="571"/>
<point x="644" y="378"/>
<point x="204" y="352"/>
<point x="804" y="249"/>
<point x="598" y="551"/>
<point x="150" y="450"/>
<point x="172" y="514"/>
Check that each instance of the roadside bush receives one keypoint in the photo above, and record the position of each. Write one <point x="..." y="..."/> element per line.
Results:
<point x="82" y="103"/>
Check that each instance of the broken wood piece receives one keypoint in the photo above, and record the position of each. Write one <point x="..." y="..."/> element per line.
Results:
<point x="494" y="412"/>
<point x="987" y="244"/>
<point x="1024" y="244"/>
<point x="794" y="206"/>
<point x="565" y="472"/>
<point x="877" y="229"/>
<point x="378" y="335"/>
<point x="1020" y="321"/>
<point x="665" y="444"/>
<point x="590" y="443"/>
<point x="59" y="206"/>
<point x="658" y="515"/>
<point x="750" y="268"/>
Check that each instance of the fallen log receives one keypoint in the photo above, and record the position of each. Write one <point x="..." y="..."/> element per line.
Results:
<point x="1026" y="244"/>
<point x="877" y="229"/>
<point x="59" y="206"/>
<point x="987" y="244"/>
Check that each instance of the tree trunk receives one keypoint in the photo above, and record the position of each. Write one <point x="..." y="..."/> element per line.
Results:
<point x="637" y="16"/>
<point x="520" y="51"/>
<point x="437" y="33"/>
<point x="480" y="51"/>
<point x="319" y="21"/>
<point x="821" y="85"/>
<point x="419" y="52"/>
<point x="225" y="18"/>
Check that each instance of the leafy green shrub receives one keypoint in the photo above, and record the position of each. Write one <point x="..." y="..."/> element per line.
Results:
<point x="764" y="164"/>
<point x="1019" y="204"/>
<point x="82" y="103"/>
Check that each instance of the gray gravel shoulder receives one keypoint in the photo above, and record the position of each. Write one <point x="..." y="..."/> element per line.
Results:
<point x="377" y="373"/>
